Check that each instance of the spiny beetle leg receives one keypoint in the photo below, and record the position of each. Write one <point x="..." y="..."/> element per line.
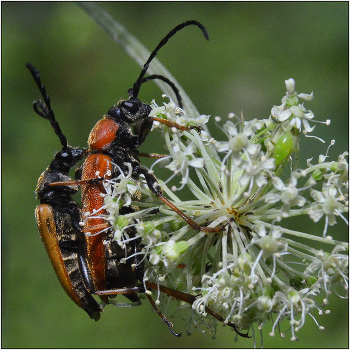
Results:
<point x="190" y="221"/>
<point x="154" y="186"/>
<point x="152" y="155"/>
<point x="130" y="290"/>
<point x="100" y="227"/>
<point x="174" y="125"/>
<point x="165" y="320"/>
<point x="77" y="182"/>
<point x="139" y="289"/>
<point x="188" y="298"/>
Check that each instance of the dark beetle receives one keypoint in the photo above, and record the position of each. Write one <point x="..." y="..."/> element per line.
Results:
<point x="58" y="215"/>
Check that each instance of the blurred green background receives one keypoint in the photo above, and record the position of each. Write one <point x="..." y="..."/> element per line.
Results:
<point x="253" y="48"/>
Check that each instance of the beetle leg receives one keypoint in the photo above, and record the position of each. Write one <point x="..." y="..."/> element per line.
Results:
<point x="77" y="182"/>
<point x="168" y="323"/>
<point x="189" y="298"/>
<point x="171" y="124"/>
<point x="154" y="186"/>
<point x="152" y="155"/>
<point x="98" y="228"/>
<point x="139" y="289"/>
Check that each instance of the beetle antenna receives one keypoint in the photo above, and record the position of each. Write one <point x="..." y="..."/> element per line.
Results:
<point x="169" y="82"/>
<point x="136" y="88"/>
<point x="44" y="108"/>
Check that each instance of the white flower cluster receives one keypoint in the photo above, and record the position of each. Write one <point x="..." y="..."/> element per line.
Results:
<point x="257" y="271"/>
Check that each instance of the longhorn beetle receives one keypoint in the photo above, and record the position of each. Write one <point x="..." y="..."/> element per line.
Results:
<point x="58" y="215"/>
<point x="113" y="141"/>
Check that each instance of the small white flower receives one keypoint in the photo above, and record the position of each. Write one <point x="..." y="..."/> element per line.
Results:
<point x="327" y="203"/>
<point x="265" y="303"/>
<point x="289" y="195"/>
<point x="182" y="160"/>
<point x="292" y="111"/>
<point x="255" y="171"/>
<point x="300" y="114"/>
<point x="238" y="141"/>
<point x="270" y="243"/>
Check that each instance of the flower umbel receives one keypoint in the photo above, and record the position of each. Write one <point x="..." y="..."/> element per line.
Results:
<point x="258" y="271"/>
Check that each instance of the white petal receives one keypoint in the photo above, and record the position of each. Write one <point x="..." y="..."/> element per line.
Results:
<point x="309" y="115"/>
<point x="230" y="128"/>
<point x="261" y="230"/>
<point x="244" y="179"/>
<point x="272" y="198"/>
<point x="306" y="97"/>
<point x="284" y="115"/>
<point x="275" y="112"/>
<point x="307" y="126"/>
<point x="297" y="111"/>
<point x="296" y="122"/>
<point x="190" y="148"/>
<point x="331" y="220"/>
<point x="290" y="85"/>
<point x="260" y="180"/>
<point x="196" y="163"/>
<point x="300" y="201"/>
<point x="176" y="147"/>
<point x="205" y="136"/>
<point x="202" y="119"/>
<point x="269" y="164"/>
<point x="316" y="215"/>
<point x="252" y="148"/>
<point x="308" y="162"/>
<point x="222" y="146"/>
<point x="317" y="196"/>
<point x="332" y="191"/>
<point x="278" y="183"/>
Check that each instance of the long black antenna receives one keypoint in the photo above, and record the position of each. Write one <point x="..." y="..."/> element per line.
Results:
<point x="136" y="88"/>
<point x="44" y="108"/>
<point x="169" y="82"/>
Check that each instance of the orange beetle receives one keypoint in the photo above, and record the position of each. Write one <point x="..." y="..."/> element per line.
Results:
<point x="113" y="147"/>
<point x="113" y="141"/>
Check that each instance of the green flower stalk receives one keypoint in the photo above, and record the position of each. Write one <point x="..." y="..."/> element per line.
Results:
<point x="257" y="272"/>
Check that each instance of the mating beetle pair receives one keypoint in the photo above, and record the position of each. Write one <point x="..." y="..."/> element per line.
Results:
<point x="83" y="263"/>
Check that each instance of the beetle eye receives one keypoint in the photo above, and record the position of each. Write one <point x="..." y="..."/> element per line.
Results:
<point x="65" y="156"/>
<point x="114" y="112"/>
<point x="132" y="107"/>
